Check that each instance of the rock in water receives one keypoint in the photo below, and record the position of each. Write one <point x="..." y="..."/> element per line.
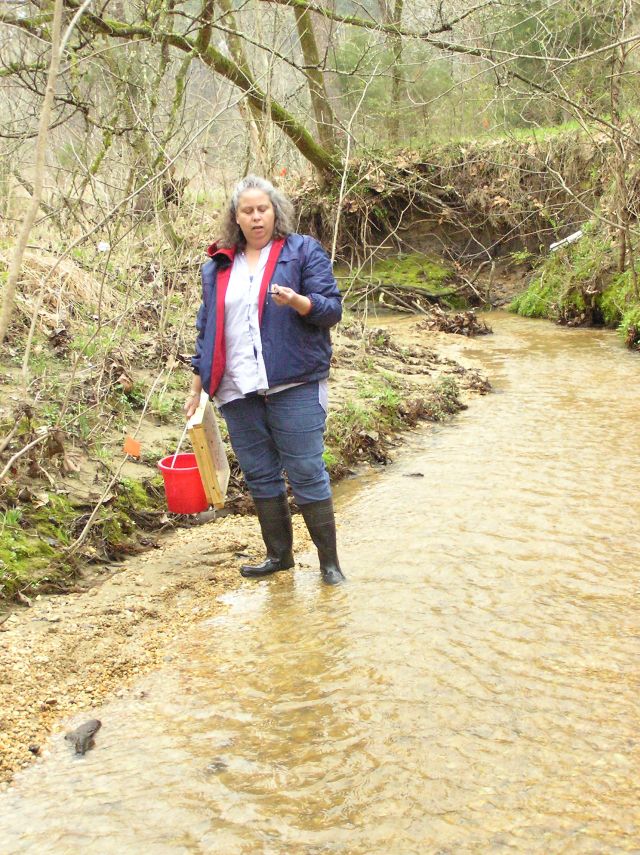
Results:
<point x="82" y="737"/>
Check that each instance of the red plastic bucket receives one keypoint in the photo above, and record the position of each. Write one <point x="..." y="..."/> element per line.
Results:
<point x="183" y="484"/>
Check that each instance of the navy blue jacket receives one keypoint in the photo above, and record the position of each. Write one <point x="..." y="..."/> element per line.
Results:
<point x="295" y="348"/>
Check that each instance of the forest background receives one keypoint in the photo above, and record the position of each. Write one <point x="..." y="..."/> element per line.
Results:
<point x="470" y="134"/>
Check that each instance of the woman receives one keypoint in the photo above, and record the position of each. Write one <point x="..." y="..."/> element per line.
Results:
<point x="263" y="353"/>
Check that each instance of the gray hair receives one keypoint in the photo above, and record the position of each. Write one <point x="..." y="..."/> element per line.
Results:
<point x="282" y="207"/>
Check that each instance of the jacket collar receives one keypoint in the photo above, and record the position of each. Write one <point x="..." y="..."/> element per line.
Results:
<point x="223" y="252"/>
<point x="228" y="253"/>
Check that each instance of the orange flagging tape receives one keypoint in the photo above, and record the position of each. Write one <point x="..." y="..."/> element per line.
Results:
<point x="131" y="446"/>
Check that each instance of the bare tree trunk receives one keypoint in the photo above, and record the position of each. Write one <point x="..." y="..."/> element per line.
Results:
<point x="15" y="266"/>
<point x="324" y="117"/>
<point x="395" y="43"/>
<point x="617" y="65"/>
<point x="253" y="117"/>
<point x="621" y="157"/>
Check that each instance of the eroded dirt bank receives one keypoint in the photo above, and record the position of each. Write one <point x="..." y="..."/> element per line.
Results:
<point x="66" y="654"/>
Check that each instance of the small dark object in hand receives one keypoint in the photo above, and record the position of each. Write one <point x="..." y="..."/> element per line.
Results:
<point x="82" y="737"/>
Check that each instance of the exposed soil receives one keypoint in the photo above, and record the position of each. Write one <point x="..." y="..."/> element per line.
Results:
<point x="65" y="654"/>
<point x="468" y="201"/>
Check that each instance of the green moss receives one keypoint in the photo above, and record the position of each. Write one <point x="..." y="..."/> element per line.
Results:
<point x="53" y="519"/>
<point x="116" y="527"/>
<point x="412" y="270"/>
<point x="133" y="494"/>
<point x="30" y="544"/>
<point x="33" y="539"/>
<point x="415" y="270"/>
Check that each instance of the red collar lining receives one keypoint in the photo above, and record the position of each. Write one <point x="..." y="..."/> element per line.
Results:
<point x="228" y="251"/>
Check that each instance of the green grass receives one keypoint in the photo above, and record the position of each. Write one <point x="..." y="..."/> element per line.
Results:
<point x="330" y="460"/>
<point x="538" y="300"/>
<point x="357" y="432"/>
<point x="164" y="407"/>
<point x="580" y="282"/>
<point x="618" y="300"/>
<point x="538" y="133"/>
<point x="446" y="147"/>
<point x="629" y="326"/>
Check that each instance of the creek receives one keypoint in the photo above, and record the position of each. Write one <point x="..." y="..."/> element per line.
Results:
<point x="473" y="688"/>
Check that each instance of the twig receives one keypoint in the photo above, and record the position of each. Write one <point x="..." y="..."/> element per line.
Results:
<point x="398" y="299"/>
<point x="480" y="267"/>
<point x="5" y="442"/>
<point x="22" y="451"/>
<point x="105" y="219"/>
<point x="46" y="475"/>
<point x="473" y="287"/>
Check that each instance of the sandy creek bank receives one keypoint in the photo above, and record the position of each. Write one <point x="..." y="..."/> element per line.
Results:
<point x="68" y="653"/>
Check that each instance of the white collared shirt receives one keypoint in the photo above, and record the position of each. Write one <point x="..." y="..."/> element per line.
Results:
<point x="245" y="370"/>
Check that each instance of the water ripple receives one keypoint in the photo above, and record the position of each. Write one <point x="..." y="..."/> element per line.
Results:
<point x="472" y="689"/>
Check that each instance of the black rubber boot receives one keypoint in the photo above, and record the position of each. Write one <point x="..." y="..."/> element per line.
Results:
<point x="321" y="524"/>
<point x="275" y="524"/>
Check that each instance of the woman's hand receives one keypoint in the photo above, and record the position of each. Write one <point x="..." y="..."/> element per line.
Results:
<point x="283" y="296"/>
<point x="193" y="401"/>
<point x="191" y="405"/>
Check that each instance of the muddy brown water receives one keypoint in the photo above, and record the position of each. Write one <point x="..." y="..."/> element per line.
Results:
<point x="474" y="687"/>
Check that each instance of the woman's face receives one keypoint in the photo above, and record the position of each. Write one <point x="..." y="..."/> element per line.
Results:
<point x="256" y="218"/>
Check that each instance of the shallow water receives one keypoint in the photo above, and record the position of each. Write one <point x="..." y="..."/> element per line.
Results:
<point x="473" y="688"/>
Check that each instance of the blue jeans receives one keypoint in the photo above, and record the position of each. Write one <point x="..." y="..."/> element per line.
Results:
<point x="279" y="432"/>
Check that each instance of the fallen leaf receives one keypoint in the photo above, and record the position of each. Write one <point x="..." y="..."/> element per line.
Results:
<point x="125" y="381"/>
